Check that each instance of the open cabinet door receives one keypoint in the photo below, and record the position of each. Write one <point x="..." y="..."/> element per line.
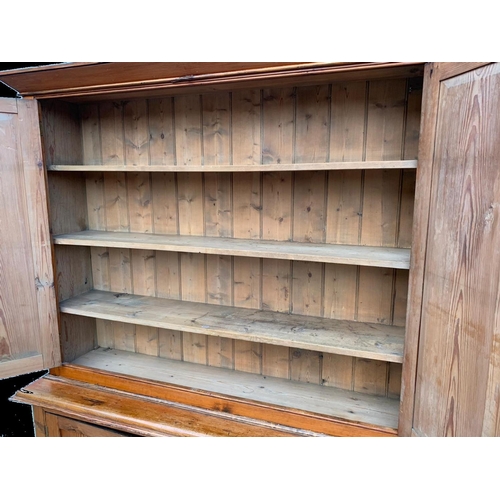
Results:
<point x="457" y="385"/>
<point x="29" y="339"/>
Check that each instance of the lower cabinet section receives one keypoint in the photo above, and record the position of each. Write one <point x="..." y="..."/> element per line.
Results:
<point x="50" y="425"/>
<point x="76" y="402"/>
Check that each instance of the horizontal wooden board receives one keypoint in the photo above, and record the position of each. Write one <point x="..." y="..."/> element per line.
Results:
<point x="347" y="165"/>
<point x="323" y="400"/>
<point x="396" y="258"/>
<point x="364" y="340"/>
<point x="128" y="80"/>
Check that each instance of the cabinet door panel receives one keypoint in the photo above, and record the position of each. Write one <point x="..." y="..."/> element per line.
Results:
<point x="28" y="317"/>
<point x="57" y="426"/>
<point x="457" y="387"/>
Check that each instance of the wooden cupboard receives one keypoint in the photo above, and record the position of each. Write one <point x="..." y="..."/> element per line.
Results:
<point x="253" y="249"/>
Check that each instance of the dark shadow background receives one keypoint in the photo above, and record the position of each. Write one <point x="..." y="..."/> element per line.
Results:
<point x="15" y="418"/>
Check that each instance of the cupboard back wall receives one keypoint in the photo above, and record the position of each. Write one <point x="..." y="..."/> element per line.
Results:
<point x="338" y="122"/>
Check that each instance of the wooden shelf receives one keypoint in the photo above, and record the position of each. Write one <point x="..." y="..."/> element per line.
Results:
<point x="275" y="167"/>
<point x="395" y="258"/>
<point x="350" y="338"/>
<point x="342" y="404"/>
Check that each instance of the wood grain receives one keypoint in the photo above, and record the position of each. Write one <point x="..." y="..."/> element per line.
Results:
<point x="310" y="332"/>
<point x="328" y="401"/>
<point x="139" y="415"/>
<point x="394" y="258"/>
<point x="460" y="296"/>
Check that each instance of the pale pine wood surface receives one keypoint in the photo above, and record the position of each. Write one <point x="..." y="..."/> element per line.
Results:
<point x="371" y="340"/>
<point x="330" y="401"/>
<point x="459" y="328"/>
<point x="395" y="258"/>
<point x="281" y="167"/>
<point x="286" y="139"/>
<point x="28" y="312"/>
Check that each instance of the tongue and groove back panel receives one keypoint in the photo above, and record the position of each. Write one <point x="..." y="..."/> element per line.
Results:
<point x="377" y="120"/>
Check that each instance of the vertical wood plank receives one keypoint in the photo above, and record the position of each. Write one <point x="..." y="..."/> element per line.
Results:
<point x="309" y="208"/>
<point x="219" y="291"/>
<point x="137" y="153"/>
<point x="165" y="210"/>
<point x="162" y="152"/>
<point x="375" y="295"/>
<point x="111" y="120"/>
<point x="161" y="131"/>
<point x="78" y="336"/>
<point x="91" y="134"/>
<point x="385" y="132"/>
<point x="340" y="291"/>
<point x="216" y="110"/>
<point x="168" y="286"/>
<point x="430" y="97"/>
<point x="337" y="371"/>
<point x="67" y="199"/>
<point x="39" y="421"/>
<point x="277" y="206"/>
<point x="193" y="286"/>
<point x="247" y="205"/>
<point x="380" y="208"/>
<point x="312" y="133"/>
<point x="246" y="127"/>
<point x="218" y="204"/>
<point x="105" y="333"/>
<point x="412" y="133"/>
<point x="143" y="268"/>
<point x="246" y="143"/>
<point x="344" y="207"/>
<point x="247" y="288"/>
<point x="190" y="196"/>
<point x="313" y="124"/>
<point x="278" y="140"/>
<point x="96" y="203"/>
<point x="144" y="283"/>
<point x="18" y="301"/>
<point x="371" y="376"/>
<point x="189" y="150"/>
<point x="276" y="287"/>
<point x="400" y="297"/>
<point x="347" y="132"/>
<point x="117" y="216"/>
<point x="217" y="151"/>
<point x="459" y="323"/>
<point x="74" y="271"/>
<point x="216" y="129"/>
<point x="278" y="108"/>
<point x="29" y="163"/>
<point x="170" y="344"/>
<point x="413" y="118"/>
<point x="306" y="299"/>
<point x="188" y="131"/>
<point x="247" y="209"/>
<point x="188" y="137"/>
<point x="61" y="132"/>
<point x="394" y="385"/>
<point x="121" y="282"/>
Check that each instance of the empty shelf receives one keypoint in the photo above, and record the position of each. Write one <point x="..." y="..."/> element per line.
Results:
<point x="275" y="167"/>
<point x="330" y="401"/>
<point x="395" y="258"/>
<point x="351" y="338"/>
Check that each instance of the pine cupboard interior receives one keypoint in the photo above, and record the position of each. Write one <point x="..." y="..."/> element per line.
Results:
<point x="165" y="214"/>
